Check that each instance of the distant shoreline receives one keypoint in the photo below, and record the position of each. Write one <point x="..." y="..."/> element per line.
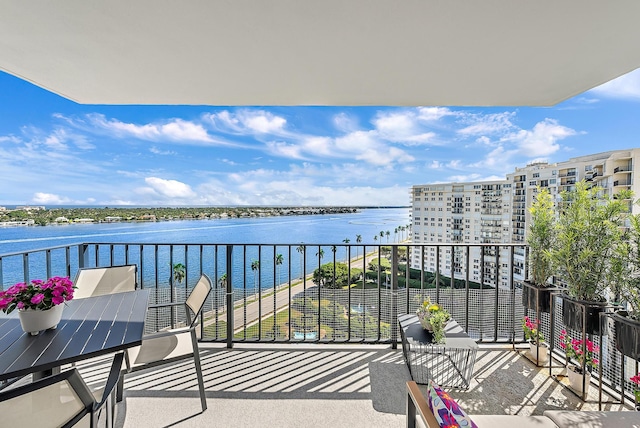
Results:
<point x="42" y="216"/>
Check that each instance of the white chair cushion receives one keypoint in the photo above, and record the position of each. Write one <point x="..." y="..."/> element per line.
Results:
<point x="161" y="347"/>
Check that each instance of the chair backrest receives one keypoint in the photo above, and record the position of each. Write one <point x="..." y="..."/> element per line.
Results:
<point x="61" y="400"/>
<point x="105" y="280"/>
<point x="198" y="296"/>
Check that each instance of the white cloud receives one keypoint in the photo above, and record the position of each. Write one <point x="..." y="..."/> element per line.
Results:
<point x="157" y="151"/>
<point x="263" y="122"/>
<point x="481" y="124"/>
<point x="626" y="87"/>
<point x="280" y="148"/>
<point x="169" y="188"/>
<point x="431" y="114"/>
<point x="247" y="122"/>
<point x="345" y="123"/>
<point x="402" y="127"/>
<point x="10" y="139"/>
<point x="49" y="199"/>
<point x="172" y="130"/>
<point x="434" y="165"/>
<point x="542" y="140"/>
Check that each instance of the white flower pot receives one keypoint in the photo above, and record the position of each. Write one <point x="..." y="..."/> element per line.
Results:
<point x="575" y="380"/>
<point x="33" y="321"/>
<point x="541" y="352"/>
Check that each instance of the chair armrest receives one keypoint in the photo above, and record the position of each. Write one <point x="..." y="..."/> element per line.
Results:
<point x="163" y="305"/>
<point x="166" y="333"/>
<point x="417" y="405"/>
<point x="112" y="380"/>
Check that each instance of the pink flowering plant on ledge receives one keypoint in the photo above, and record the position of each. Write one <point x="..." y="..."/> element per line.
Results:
<point x="37" y="294"/>
<point x="531" y="330"/>
<point x="573" y="349"/>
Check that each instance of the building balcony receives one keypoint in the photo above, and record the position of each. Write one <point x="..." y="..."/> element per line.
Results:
<point x="300" y="347"/>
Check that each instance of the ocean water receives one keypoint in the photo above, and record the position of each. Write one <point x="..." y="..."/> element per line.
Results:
<point x="318" y="231"/>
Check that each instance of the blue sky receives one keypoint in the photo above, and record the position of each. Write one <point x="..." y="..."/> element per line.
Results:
<point x="56" y="152"/>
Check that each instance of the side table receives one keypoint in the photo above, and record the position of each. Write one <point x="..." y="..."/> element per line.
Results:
<point x="448" y="364"/>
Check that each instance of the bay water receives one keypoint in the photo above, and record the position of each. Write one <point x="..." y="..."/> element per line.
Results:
<point x="319" y="232"/>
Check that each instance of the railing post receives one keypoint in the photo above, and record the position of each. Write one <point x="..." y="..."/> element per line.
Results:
<point x="83" y="256"/>
<point x="229" y="285"/>
<point x="394" y="296"/>
<point x="25" y="268"/>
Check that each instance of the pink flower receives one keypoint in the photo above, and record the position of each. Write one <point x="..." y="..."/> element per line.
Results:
<point x="20" y="305"/>
<point x="57" y="300"/>
<point x="4" y="303"/>
<point x="635" y="379"/>
<point x="15" y="289"/>
<point x="37" y="298"/>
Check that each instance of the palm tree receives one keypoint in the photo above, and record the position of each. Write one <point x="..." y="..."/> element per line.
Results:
<point x="358" y="241"/>
<point x="346" y="248"/>
<point x="222" y="281"/>
<point x="381" y="235"/>
<point x="320" y="253"/>
<point x="255" y="267"/>
<point x="388" y="234"/>
<point x="301" y="249"/>
<point x="395" y="235"/>
<point x="279" y="261"/>
<point x="375" y="238"/>
<point x="179" y="273"/>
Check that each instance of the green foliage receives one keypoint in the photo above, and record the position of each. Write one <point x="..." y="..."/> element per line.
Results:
<point x="438" y="321"/>
<point x="542" y="232"/>
<point x="328" y="277"/>
<point x="384" y="263"/>
<point x="179" y="272"/>
<point x="626" y="267"/>
<point x="588" y="232"/>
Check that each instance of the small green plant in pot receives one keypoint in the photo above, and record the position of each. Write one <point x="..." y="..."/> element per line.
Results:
<point x="541" y="236"/>
<point x="588" y="232"/>
<point x="439" y="320"/>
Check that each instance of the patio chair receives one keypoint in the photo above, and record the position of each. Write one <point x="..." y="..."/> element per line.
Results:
<point x="61" y="400"/>
<point x="175" y="344"/>
<point x="105" y="280"/>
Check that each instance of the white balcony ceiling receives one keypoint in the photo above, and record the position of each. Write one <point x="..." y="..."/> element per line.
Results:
<point x="328" y="52"/>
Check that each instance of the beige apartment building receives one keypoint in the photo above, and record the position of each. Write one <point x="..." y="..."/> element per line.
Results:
<point x="492" y="212"/>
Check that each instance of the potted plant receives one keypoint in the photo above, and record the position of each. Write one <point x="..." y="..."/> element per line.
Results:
<point x="636" y="389"/>
<point x="39" y="303"/>
<point x="584" y="353"/>
<point x="433" y="318"/>
<point x="536" y="294"/>
<point x="626" y="264"/>
<point x="588" y="231"/>
<point x="532" y="334"/>
<point x="439" y="320"/>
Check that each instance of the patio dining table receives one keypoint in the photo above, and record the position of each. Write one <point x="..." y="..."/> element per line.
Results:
<point x="89" y="328"/>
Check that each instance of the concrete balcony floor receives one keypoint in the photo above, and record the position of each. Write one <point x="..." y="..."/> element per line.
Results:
<point x="269" y="385"/>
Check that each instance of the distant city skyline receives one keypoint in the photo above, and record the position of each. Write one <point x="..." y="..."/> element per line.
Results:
<point x="56" y="152"/>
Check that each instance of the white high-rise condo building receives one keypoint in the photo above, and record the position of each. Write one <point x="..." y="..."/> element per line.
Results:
<point x="497" y="211"/>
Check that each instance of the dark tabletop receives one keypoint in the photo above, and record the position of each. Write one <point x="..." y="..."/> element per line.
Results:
<point x="89" y="327"/>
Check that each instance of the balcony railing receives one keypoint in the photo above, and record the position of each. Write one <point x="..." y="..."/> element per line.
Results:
<point x="319" y="293"/>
